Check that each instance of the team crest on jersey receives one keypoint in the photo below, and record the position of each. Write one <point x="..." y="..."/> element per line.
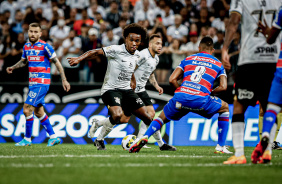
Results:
<point x="32" y="94"/>
<point x="117" y="100"/>
<point x="178" y="105"/>
<point x="37" y="52"/>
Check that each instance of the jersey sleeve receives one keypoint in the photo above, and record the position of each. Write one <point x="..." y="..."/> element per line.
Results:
<point x="24" y="54"/>
<point x="181" y="65"/>
<point x="236" y="6"/>
<point x="110" y="51"/>
<point x="277" y="23"/>
<point x="49" y="51"/>
<point x="221" y="72"/>
<point x="142" y="58"/>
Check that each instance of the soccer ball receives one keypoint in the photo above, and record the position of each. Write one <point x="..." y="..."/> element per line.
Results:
<point x="127" y="141"/>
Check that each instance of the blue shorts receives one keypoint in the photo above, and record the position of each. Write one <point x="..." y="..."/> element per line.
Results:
<point x="275" y="94"/>
<point x="35" y="96"/>
<point x="176" y="108"/>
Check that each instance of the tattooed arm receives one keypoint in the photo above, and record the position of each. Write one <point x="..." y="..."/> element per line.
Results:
<point x="153" y="81"/>
<point x="19" y="64"/>
<point x="59" y="67"/>
<point x="92" y="54"/>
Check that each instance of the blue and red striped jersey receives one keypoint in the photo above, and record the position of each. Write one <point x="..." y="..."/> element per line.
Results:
<point x="38" y="56"/>
<point x="200" y="72"/>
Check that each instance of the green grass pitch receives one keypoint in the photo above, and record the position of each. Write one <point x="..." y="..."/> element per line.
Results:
<point x="78" y="164"/>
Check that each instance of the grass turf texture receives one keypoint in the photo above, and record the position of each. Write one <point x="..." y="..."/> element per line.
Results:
<point x="75" y="164"/>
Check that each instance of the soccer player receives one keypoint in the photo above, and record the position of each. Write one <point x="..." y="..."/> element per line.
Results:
<point x="198" y="71"/>
<point x="146" y="66"/>
<point x="262" y="152"/>
<point x="256" y="65"/>
<point x="116" y="89"/>
<point x="38" y="54"/>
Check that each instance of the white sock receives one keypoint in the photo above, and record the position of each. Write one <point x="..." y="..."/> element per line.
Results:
<point x="158" y="138"/>
<point x="271" y="137"/>
<point x="142" y="130"/>
<point x="103" y="121"/>
<point x="238" y="138"/>
<point x="28" y="139"/>
<point x="53" y="136"/>
<point x="106" y="129"/>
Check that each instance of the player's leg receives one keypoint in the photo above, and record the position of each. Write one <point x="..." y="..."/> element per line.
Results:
<point x="45" y="122"/>
<point x="260" y="120"/>
<point x="275" y="144"/>
<point x="28" y="112"/>
<point x="223" y="126"/>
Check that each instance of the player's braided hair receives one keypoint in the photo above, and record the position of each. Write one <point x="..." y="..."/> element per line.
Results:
<point x="135" y="28"/>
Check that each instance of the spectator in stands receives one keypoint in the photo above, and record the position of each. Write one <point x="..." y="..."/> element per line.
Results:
<point x="9" y="6"/>
<point x="113" y="15"/>
<point x="38" y="14"/>
<point x="177" y="31"/>
<point x="5" y="31"/>
<point x="110" y="39"/>
<point x="167" y="18"/>
<point x="60" y="31"/>
<point x="96" y="8"/>
<point x="176" y="6"/>
<point x="192" y="12"/>
<point x="212" y="33"/>
<point x="176" y="49"/>
<point x="29" y="15"/>
<point x="65" y="8"/>
<point x="85" y="20"/>
<point x="72" y="18"/>
<point x="185" y="17"/>
<point x="218" y="45"/>
<point x="7" y="17"/>
<point x="203" y="32"/>
<point x="25" y="27"/>
<point x="45" y="35"/>
<point x="192" y="47"/>
<point x="78" y="4"/>
<point x="5" y="57"/>
<point x="218" y="23"/>
<point x="121" y="24"/>
<point x="16" y="26"/>
<point x="84" y="36"/>
<point x="71" y="48"/>
<point x="145" y="14"/>
<point x="139" y="5"/>
<point x="204" y="19"/>
<point x="126" y="12"/>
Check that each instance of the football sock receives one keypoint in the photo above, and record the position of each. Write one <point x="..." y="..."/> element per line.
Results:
<point x="44" y="120"/>
<point x="279" y="121"/>
<point x="271" y="137"/>
<point x="101" y="122"/>
<point x="269" y="118"/>
<point x="154" y="126"/>
<point x="142" y="130"/>
<point x="158" y="137"/>
<point x="105" y="130"/>
<point x="260" y="126"/>
<point x="238" y="127"/>
<point x="223" y="125"/>
<point x="28" y="126"/>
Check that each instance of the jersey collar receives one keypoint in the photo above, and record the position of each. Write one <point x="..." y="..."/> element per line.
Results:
<point x="205" y="52"/>
<point x="127" y="50"/>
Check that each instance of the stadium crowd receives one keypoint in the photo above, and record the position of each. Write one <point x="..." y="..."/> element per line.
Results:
<point x="73" y="27"/>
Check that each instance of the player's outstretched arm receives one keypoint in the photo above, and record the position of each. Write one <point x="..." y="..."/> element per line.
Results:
<point x="175" y="76"/>
<point x="92" y="54"/>
<point x="230" y="30"/>
<point x="59" y="67"/>
<point x="222" y="84"/>
<point x="153" y="81"/>
<point x="19" y="64"/>
<point x="270" y="33"/>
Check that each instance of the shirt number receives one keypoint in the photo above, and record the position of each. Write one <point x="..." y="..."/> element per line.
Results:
<point x="198" y="74"/>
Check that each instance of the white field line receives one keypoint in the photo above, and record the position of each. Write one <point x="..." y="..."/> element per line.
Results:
<point x="128" y="155"/>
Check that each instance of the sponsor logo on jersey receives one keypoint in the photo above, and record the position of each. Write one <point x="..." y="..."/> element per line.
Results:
<point x="47" y="49"/>
<point x="34" y="58"/>
<point x="32" y="94"/>
<point x="33" y="75"/>
<point x="187" y="84"/>
<point x="271" y="49"/>
<point x="189" y="91"/>
<point x="124" y="75"/>
<point x="202" y="63"/>
<point x="198" y="58"/>
<point x="244" y="94"/>
<point x="139" y="101"/>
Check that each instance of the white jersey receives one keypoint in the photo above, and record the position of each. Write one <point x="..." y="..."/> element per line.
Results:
<point x="254" y="47"/>
<point x="146" y="65"/>
<point x="121" y="65"/>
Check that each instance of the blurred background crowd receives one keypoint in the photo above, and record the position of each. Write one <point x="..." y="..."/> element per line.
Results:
<point x="73" y="27"/>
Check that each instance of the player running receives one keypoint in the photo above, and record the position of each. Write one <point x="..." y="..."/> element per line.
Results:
<point x="198" y="71"/>
<point x="145" y="71"/>
<point x="116" y="90"/>
<point x="38" y="54"/>
<point x="256" y="65"/>
<point x="262" y="152"/>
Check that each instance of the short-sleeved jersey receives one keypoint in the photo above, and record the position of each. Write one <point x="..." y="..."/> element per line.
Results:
<point x="121" y="65"/>
<point x="146" y="65"/>
<point x="254" y="47"/>
<point x="278" y="24"/>
<point x="200" y="72"/>
<point x="38" y="56"/>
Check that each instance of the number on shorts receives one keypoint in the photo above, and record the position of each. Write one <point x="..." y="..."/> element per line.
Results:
<point x="198" y="74"/>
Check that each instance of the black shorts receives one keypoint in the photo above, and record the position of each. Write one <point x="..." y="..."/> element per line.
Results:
<point x="253" y="82"/>
<point x="145" y="98"/>
<point x="127" y="99"/>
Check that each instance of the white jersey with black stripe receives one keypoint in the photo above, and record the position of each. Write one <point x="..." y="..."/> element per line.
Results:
<point x="121" y="65"/>
<point x="254" y="48"/>
<point x="146" y="65"/>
